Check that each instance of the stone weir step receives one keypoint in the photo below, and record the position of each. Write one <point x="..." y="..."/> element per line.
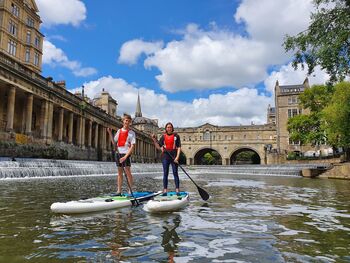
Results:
<point x="25" y="168"/>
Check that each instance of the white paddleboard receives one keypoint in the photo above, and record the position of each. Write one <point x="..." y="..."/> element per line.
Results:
<point x="102" y="203"/>
<point x="169" y="203"/>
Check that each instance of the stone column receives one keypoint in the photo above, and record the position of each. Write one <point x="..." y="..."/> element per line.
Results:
<point x="50" y="120"/>
<point x="70" y="127"/>
<point x="60" y="125"/>
<point x="103" y="138"/>
<point x="29" y="113"/>
<point x="44" y="118"/>
<point x="79" y="130"/>
<point x="96" y="136"/>
<point x="89" y="133"/>
<point x="11" y="108"/>
<point x="82" y="132"/>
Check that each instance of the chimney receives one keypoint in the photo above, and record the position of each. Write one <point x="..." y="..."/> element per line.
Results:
<point x="61" y="83"/>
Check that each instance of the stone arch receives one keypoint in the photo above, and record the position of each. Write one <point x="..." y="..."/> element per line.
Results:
<point x="198" y="156"/>
<point x="256" y="158"/>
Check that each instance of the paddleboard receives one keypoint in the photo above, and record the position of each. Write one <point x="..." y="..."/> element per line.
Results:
<point x="169" y="203"/>
<point x="101" y="203"/>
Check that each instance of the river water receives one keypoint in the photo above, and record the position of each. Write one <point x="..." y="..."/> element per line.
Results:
<point x="249" y="218"/>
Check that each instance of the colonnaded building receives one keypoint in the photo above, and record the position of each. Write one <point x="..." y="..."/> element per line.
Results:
<point x="35" y="110"/>
<point x="39" y="114"/>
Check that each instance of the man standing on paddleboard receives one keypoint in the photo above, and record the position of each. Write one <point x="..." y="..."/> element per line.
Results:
<point x="124" y="142"/>
<point x="170" y="145"/>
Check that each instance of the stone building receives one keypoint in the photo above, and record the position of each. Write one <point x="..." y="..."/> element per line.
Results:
<point x="105" y="102"/>
<point x="287" y="106"/>
<point x="20" y="35"/>
<point x="227" y="141"/>
<point x="36" y="111"/>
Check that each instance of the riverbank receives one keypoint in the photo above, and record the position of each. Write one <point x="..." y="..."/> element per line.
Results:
<point x="338" y="171"/>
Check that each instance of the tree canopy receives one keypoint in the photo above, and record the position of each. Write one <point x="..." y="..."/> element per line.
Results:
<point x="326" y="42"/>
<point x="328" y="119"/>
<point x="337" y="116"/>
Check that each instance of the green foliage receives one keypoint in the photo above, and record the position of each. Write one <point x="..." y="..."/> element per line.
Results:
<point x="316" y="98"/>
<point x="211" y="158"/>
<point x="337" y="116"/>
<point x="329" y="118"/>
<point x="306" y="129"/>
<point x="208" y="159"/>
<point x="326" y="42"/>
<point x="248" y="157"/>
<point x="309" y="128"/>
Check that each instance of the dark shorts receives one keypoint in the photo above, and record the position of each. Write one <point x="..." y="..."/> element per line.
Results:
<point x="127" y="162"/>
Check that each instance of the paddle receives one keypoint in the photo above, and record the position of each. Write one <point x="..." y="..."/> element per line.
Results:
<point x="204" y="194"/>
<point x="123" y="167"/>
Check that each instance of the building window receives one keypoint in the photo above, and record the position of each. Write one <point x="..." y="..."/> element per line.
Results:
<point x="293" y="100"/>
<point x="14" y="10"/>
<point x="37" y="41"/>
<point x="29" y="37"/>
<point x="206" y="136"/>
<point x="291" y="142"/>
<point x="27" y="58"/>
<point x="11" y="47"/>
<point x="293" y="112"/>
<point x="30" y="22"/>
<point x="36" y="59"/>
<point x="13" y="28"/>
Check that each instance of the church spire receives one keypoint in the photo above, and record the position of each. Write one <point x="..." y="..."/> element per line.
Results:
<point x="138" y="112"/>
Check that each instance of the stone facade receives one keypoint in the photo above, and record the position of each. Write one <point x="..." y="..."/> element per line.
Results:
<point x="228" y="141"/>
<point x="20" y="35"/>
<point x="35" y="110"/>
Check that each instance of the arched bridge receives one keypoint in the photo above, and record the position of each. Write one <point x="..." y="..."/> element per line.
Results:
<point x="227" y="142"/>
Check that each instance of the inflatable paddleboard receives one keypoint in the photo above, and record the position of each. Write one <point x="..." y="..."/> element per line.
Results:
<point x="102" y="203"/>
<point x="169" y="203"/>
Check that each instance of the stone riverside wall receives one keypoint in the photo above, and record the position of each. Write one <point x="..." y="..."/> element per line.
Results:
<point x="338" y="171"/>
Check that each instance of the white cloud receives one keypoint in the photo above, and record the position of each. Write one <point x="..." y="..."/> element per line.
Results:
<point x="219" y="58"/>
<point x="132" y="50"/>
<point x="286" y="75"/>
<point x="269" y="20"/>
<point x="53" y="12"/>
<point x="54" y="56"/>
<point x="233" y="108"/>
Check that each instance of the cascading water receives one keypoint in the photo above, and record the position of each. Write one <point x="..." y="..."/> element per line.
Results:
<point x="25" y="168"/>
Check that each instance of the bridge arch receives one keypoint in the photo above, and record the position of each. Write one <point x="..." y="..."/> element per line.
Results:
<point x="245" y="155"/>
<point x="200" y="159"/>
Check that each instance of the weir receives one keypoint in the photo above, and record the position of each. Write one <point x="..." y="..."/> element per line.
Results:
<point x="27" y="168"/>
<point x="31" y="168"/>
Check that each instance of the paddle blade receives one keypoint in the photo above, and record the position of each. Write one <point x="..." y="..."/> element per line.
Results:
<point x="204" y="194"/>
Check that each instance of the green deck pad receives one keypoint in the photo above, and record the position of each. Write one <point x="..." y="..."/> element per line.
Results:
<point x="120" y="198"/>
<point x="171" y="196"/>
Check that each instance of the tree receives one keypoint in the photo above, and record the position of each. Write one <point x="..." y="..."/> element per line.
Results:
<point x="308" y="128"/>
<point x="326" y="42"/>
<point x="337" y="116"/>
<point x="208" y="159"/>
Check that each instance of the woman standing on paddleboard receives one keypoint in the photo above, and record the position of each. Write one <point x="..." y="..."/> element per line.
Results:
<point x="170" y="145"/>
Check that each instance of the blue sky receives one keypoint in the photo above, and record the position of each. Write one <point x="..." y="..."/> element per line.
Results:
<point x="191" y="61"/>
